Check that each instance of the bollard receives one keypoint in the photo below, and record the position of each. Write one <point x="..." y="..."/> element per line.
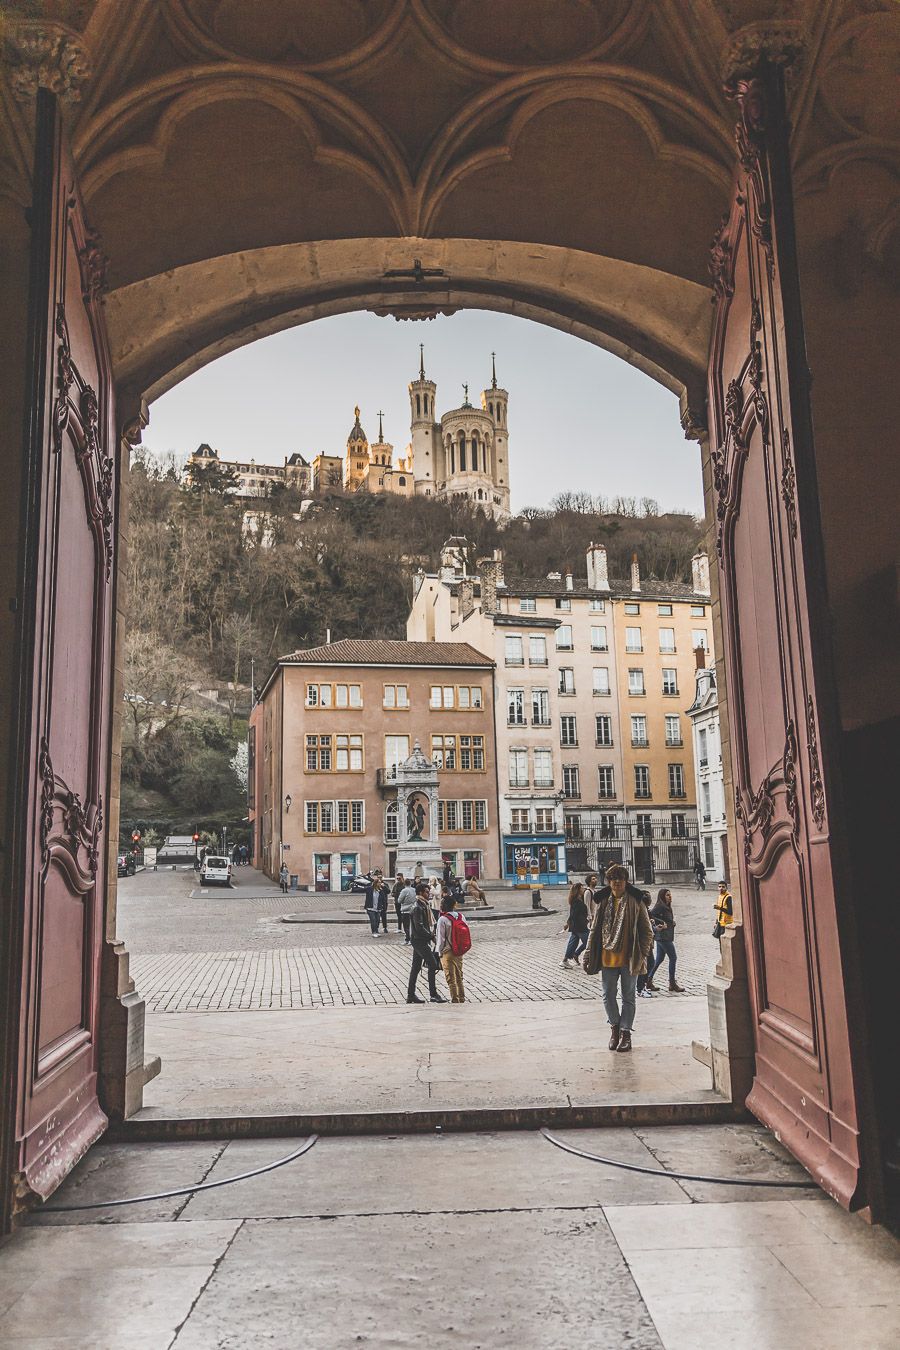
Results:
<point x="536" y="902"/>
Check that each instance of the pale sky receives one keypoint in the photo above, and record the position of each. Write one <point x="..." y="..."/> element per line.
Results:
<point x="580" y="419"/>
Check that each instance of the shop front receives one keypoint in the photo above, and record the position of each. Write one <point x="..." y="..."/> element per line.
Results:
<point x="471" y="861"/>
<point x="536" y="861"/>
<point x="334" y="871"/>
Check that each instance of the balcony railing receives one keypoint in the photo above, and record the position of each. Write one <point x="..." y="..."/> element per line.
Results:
<point x="643" y="793"/>
<point x="676" y="743"/>
<point x="676" y="795"/>
<point x="541" y="722"/>
<point x="518" y="782"/>
<point x="641" y="744"/>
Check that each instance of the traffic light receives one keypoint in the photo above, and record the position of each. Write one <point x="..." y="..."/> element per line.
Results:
<point x="135" y="835"/>
<point x="196" y="838"/>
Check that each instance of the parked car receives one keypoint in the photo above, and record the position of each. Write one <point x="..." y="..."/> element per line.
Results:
<point x="126" y="865"/>
<point x="215" y="870"/>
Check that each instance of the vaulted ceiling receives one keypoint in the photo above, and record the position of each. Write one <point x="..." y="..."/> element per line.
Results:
<point x="234" y="145"/>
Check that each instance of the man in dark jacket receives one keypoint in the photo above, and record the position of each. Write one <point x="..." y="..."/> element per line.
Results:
<point x="422" y="939"/>
<point x="373" y="902"/>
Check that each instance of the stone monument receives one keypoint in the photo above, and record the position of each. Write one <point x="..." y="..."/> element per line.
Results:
<point x="417" y="816"/>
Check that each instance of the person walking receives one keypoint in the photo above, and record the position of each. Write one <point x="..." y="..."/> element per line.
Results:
<point x="384" y="894"/>
<point x="421" y="939"/>
<point x="397" y="887"/>
<point x="435" y="893"/>
<point x="284" y="877"/>
<point x="452" y="941"/>
<point x="724" y="907"/>
<point x="373" y="902"/>
<point x="448" y="871"/>
<point x="576" y="926"/>
<point x="407" y="903"/>
<point x="620" y="942"/>
<point x="590" y="886"/>
<point x="700" y="875"/>
<point x="662" y="916"/>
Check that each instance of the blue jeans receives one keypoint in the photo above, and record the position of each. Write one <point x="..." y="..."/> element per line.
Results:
<point x="374" y="919"/>
<point x="663" y="948"/>
<point x="576" y="944"/>
<point x="610" y="977"/>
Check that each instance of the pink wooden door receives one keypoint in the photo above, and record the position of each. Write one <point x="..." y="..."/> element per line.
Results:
<point x="59" y="841"/>
<point x="797" y="911"/>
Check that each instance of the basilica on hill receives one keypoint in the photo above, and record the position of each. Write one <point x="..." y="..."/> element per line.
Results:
<point x="464" y="453"/>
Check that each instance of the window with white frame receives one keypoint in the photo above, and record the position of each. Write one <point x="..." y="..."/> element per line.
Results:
<point x="319" y="696"/>
<point x="540" y="707"/>
<point x="544" y="820"/>
<point x="669" y="680"/>
<point x="638" y="729"/>
<point x="642" y="780"/>
<point x="633" y="642"/>
<point x="644" y="826"/>
<point x="706" y="802"/>
<point x="606" y="781"/>
<point x="396" y="696"/>
<point x="527" y="605"/>
<point x="348" y="696"/>
<point x="636" y="681"/>
<point x="520" y="820"/>
<point x="673" y="729"/>
<point x="391" y="824"/>
<point x="470" y="696"/>
<point x="709" y="851"/>
<point x="514" y="655"/>
<point x="318" y="754"/>
<point x="462" y="817"/>
<point x="518" y="768"/>
<point x="568" y="729"/>
<point x="566" y="680"/>
<point x="471" y="754"/>
<point x="396" y="750"/>
<point x="543" y="768"/>
<point x="632" y="608"/>
<point x="699" y="639"/>
<point x="571" y="781"/>
<point x="600" y="680"/>
<point x="667" y="639"/>
<point x="679" y="825"/>
<point x="698" y="611"/>
<point x="676" y="780"/>
<point x="702" y="748"/>
<point x="597" y="606"/>
<point x="603" y="734"/>
<point x="443" y="696"/>
<point x="537" y="650"/>
<point x="341" y="817"/>
<point x="599" y="642"/>
<point x="515" y="707"/>
<point x="563" y="602"/>
<point x="564" y="637"/>
<point x="663" y="611"/>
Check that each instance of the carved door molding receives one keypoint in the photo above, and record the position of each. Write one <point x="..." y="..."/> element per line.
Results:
<point x="797" y="906"/>
<point x="59" y="853"/>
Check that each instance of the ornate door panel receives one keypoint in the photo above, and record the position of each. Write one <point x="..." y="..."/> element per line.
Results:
<point x="59" y="842"/>
<point x="801" y="948"/>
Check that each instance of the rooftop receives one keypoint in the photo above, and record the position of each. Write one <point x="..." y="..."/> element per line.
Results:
<point x="384" y="652"/>
<point x="651" y="589"/>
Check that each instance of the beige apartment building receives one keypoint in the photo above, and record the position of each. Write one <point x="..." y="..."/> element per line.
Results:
<point x="331" y="724"/>
<point x="594" y="751"/>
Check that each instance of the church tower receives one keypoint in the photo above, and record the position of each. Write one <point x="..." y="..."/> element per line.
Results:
<point x="357" y="456"/>
<point x="422" y="417"/>
<point x="495" y="402"/>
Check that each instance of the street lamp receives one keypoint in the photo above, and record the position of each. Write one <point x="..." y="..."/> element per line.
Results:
<point x="287" y="803"/>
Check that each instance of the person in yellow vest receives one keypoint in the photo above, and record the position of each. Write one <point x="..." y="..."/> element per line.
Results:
<point x="625" y="934"/>
<point x="724" y="907"/>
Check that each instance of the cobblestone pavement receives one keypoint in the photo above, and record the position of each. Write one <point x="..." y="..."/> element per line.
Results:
<point x="230" y="951"/>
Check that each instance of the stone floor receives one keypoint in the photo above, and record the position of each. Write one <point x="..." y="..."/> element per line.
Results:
<point x="403" y="1058"/>
<point x="476" y="1240"/>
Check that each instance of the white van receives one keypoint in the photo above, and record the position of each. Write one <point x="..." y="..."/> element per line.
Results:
<point x="215" y="871"/>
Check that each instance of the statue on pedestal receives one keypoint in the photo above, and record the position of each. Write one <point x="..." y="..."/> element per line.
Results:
<point x="418" y="851"/>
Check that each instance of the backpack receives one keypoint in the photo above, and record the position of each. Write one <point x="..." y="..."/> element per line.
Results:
<point x="460" y="937"/>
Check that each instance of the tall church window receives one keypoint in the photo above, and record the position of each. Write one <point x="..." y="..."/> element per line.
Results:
<point x="418" y="406"/>
<point x="462" y="452"/>
<point x="491" y="409"/>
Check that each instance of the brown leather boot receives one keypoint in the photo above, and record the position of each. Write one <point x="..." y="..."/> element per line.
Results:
<point x="624" y="1043"/>
<point x="614" y="1038"/>
<point x="675" y="988"/>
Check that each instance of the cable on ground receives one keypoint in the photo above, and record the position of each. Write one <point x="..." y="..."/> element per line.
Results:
<point x="674" y="1176"/>
<point x="186" y="1190"/>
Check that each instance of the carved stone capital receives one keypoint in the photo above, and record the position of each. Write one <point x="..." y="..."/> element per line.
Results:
<point x="45" y="55"/>
<point x="693" y="419"/>
<point x="781" y="42"/>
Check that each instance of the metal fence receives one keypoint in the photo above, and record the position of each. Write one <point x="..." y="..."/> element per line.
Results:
<point x="652" y="850"/>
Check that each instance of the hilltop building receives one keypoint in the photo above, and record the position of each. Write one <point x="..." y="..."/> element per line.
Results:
<point x="462" y="454"/>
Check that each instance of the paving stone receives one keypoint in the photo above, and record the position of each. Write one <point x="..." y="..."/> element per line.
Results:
<point x="727" y="1151"/>
<point x="539" y="1281"/>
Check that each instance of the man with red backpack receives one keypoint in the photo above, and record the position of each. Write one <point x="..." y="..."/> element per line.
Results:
<point x="452" y="940"/>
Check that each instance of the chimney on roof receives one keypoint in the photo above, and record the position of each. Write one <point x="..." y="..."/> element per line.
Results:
<point x="700" y="658"/>
<point x="570" y="584"/>
<point x="700" y="571"/>
<point x="635" y="573"/>
<point x="491" y="573"/>
<point x="597" y="573"/>
<point x="466" y="597"/>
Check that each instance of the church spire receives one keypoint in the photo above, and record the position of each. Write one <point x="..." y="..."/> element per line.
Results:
<point x="493" y="370"/>
<point x="380" y="428"/>
<point x="421" y="360"/>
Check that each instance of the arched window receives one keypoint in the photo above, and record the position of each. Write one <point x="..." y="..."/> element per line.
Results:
<point x="391" y="825"/>
<point x="425" y="402"/>
<point x="462" y="452"/>
<point x="491" y="409"/>
<point x="474" y="453"/>
<point x="418" y="406"/>
<point x="402" y="482"/>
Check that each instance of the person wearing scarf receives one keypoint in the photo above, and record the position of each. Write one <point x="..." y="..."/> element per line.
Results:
<point x="625" y="934"/>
